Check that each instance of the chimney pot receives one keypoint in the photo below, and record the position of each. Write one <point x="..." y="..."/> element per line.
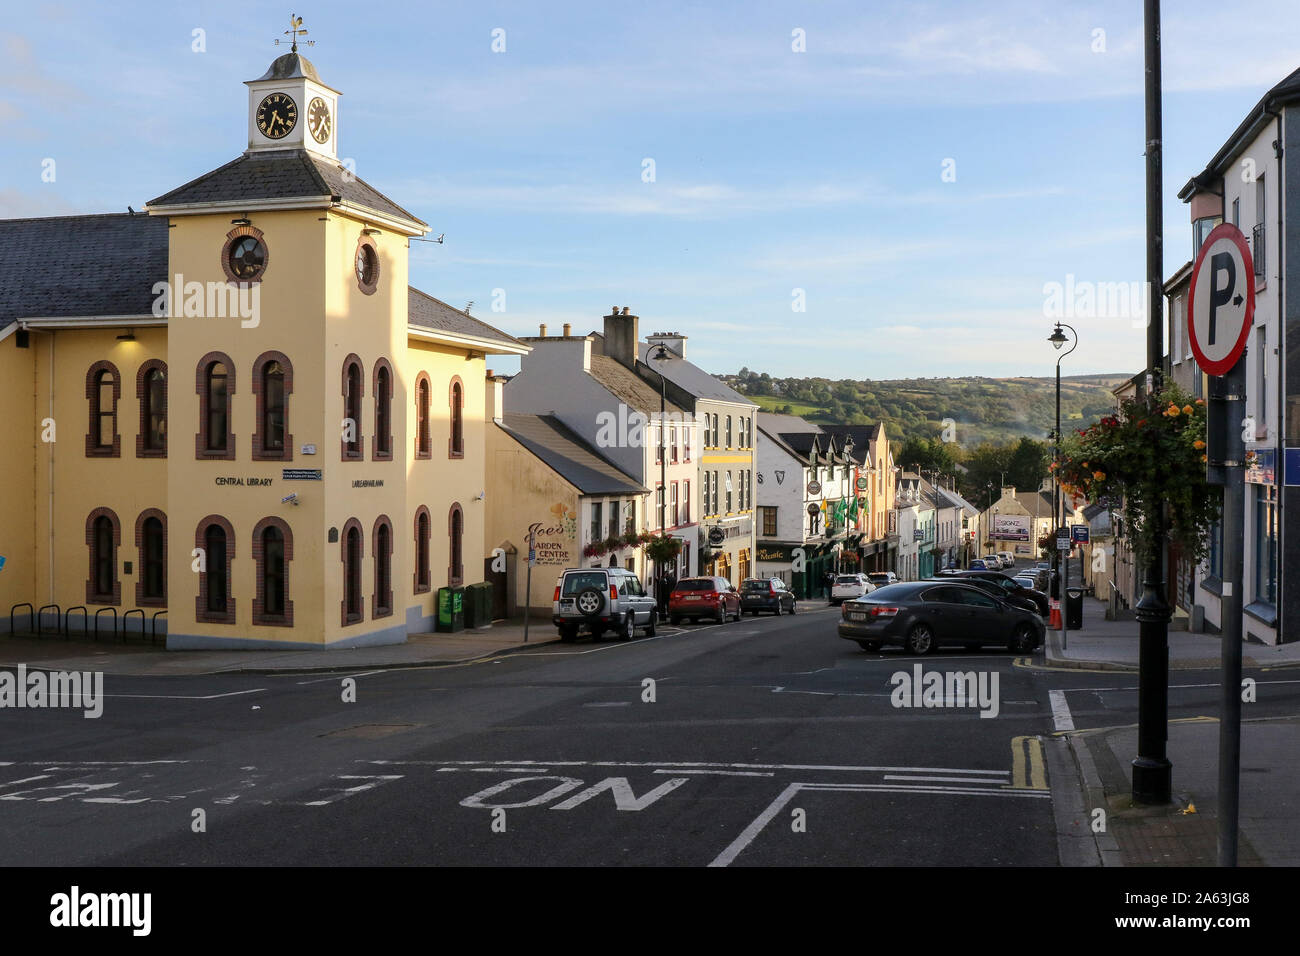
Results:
<point x="543" y="330"/>
<point x="568" y="329"/>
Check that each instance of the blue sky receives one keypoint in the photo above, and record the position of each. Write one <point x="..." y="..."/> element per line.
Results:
<point x="775" y="170"/>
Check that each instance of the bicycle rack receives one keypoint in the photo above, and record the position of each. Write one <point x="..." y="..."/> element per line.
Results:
<point x="153" y="627"/>
<point x="58" y="614"/>
<point x="102" y="610"/>
<point x="126" y="616"/>
<point x="31" y="612"/>
<point x="85" y="628"/>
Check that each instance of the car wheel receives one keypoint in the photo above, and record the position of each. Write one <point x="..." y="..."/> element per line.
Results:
<point x="1024" y="640"/>
<point x="920" y="639"/>
<point x="628" y="630"/>
<point x="793" y="604"/>
<point x="869" y="645"/>
<point x="568" y="632"/>
<point x="650" y="627"/>
<point x="590" y="602"/>
<point x="778" y="609"/>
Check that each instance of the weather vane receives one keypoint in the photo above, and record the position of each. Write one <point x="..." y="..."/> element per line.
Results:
<point x="295" y="30"/>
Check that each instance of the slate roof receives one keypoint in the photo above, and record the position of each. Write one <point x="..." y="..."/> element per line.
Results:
<point x="81" y="265"/>
<point x="281" y="174"/>
<point x="628" y="387"/>
<point x="426" y="312"/>
<point x="568" y="455"/>
<point x="691" y="378"/>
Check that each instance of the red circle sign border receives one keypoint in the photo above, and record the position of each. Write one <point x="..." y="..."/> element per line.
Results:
<point x="1225" y="230"/>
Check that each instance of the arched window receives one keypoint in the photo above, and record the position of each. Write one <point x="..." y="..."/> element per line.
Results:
<point x="272" y="384"/>
<point x="383" y="385"/>
<point x="216" y="537"/>
<point x="103" y="389"/>
<point x="422" y="581"/>
<point x="456" y="536"/>
<point x="151" y="544"/>
<point x="456" y="444"/>
<point x="381" y="602"/>
<point x="216" y="385"/>
<point x="351" y="548"/>
<point x="423" y="444"/>
<point x="353" y="448"/>
<point x="151" y="393"/>
<point x="273" y="550"/>
<point x="103" y="536"/>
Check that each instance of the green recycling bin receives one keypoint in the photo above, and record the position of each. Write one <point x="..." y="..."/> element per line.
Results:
<point x="451" y="609"/>
<point x="478" y="605"/>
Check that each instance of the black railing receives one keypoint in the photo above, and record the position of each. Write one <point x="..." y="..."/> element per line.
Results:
<point x="58" y="614"/>
<point x="85" y="625"/>
<point x="1257" y="248"/>
<point x="153" y="627"/>
<point x="127" y="616"/>
<point x="31" y="612"/>
<point x="105" y="610"/>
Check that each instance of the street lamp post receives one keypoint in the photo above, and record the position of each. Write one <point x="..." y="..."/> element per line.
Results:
<point x="1058" y="339"/>
<point x="661" y="353"/>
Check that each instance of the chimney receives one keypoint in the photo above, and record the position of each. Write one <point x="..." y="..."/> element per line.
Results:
<point x="495" y="397"/>
<point x="542" y="327"/>
<point x="568" y="329"/>
<point x="675" y="342"/>
<point x="621" y="336"/>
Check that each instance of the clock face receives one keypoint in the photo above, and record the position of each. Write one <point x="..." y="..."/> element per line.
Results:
<point x="277" y="115"/>
<point x="318" y="120"/>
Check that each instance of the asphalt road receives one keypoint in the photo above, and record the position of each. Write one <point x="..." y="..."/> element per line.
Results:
<point x="765" y="741"/>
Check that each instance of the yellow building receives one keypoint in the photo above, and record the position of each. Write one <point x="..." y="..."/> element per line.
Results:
<point x="233" y="409"/>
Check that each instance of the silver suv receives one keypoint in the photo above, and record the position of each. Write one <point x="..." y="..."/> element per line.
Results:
<point x="601" y="599"/>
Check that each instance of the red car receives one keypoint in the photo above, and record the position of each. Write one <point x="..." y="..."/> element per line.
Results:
<point x="698" y="598"/>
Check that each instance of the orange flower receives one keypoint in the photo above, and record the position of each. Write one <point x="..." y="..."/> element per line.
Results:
<point x="1187" y="409"/>
<point x="1203" y="458"/>
<point x="1200" y="401"/>
<point x="1099" y="475"/>
<point x="1171" y="411"/>
<point x="1198" y="444"/>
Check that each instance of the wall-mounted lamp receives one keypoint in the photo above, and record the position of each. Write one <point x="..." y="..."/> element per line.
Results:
<point x="241" y="221"/>
<point x="127" y="336"/>
<point x="370" y="231"/>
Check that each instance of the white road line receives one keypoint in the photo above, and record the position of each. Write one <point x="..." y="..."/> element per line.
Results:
<point x="966" y="780"/>
<point x="1134" y="689"/>
<point x="935" y="788"/>
<point x="723" y="773"/>
<point x="493" y="770"/>
<point x="684" y="763"/>
<point x="1060" y="710"/>
<point x="233" y="693"/>
<point x="608" y="703"/>
<point x="338" y="677"/>
<point x="756" y="826"/>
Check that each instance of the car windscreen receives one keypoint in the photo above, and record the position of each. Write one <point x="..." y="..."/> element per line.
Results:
<point x="573" y="583"/>
<point x="755" y="586"/>
<point x="877" y="578"/>
<point x="695" y="584"/>
<point x="847" y="579"/>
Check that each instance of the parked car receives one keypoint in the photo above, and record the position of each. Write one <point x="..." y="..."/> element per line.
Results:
<point x="1018" y="598"/>
<point x="600" y="599"/>
<point x="881" y="578"/>
<point x="695" y="599"/>
<point x="849" y="586"/>
<point x="766" y="594"/>
<point x="1027" y="581"/>
<point x="1008" y="559"/>
<point x="978" y="564"/>
<point x="1011" y="586"/>
<point x="920" y="616"/>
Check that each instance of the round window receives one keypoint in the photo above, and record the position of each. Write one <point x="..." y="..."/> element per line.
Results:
<point x="247" y="257"/>
<point x="367" y="266"/>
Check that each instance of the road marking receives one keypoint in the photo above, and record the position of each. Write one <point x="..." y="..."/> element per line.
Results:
<point x="755" y="827"/>
<point x="345" y="792"/>
<point x="678" y="763"/>
<point x="724" y="773"/>
<point x="1060" y="710"/>
<point x="233" y="693"/>
<point x="493" y="770"/>
<point x="965" y="780"/>
<point x="608" y="703"/>
<point x="338" y="677"/>
<point x="1028" y="768"/>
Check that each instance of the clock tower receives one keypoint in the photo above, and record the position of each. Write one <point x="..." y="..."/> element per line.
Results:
<point x="290" y="108"/>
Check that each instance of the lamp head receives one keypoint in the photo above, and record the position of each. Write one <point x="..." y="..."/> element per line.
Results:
<point x="1057" y="338"/>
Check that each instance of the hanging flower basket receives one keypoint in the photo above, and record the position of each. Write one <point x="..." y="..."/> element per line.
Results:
<point x="663" y="549"/>
<point x="1147" y="457"/>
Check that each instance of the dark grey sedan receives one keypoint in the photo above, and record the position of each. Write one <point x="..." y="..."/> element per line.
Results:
<point x="766" y="594"/>
<point x="920" y="616"/>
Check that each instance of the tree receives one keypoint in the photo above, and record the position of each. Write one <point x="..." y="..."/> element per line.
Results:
<point x="1027" y="465"/>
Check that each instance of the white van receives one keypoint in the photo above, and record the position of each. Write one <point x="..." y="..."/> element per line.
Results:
<point x="1008" y="559"/>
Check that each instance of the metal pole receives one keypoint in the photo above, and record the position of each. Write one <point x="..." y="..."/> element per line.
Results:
<point x="528" y="585"/>
<point x="660" y="598"/>
<point x="1152" y="771"/>
<point x="1232" y="388"/>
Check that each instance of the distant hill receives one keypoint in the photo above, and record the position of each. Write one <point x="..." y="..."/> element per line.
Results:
<point x="997" y="410"/>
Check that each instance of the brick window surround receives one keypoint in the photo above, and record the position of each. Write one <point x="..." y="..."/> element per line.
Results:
<point x="456" y="544"/>
<point x="372" y="263"/>
<point x="142" y="383"/>
<point x="381" y="601"/>
<point x="201" y="612"/>
<point x="423" y="527"/>
<point x="456" y="403"/>
<point x="93" y="595"/>
<point x="201" y="440"/>
<point x="381" y="449"/>
<point x="261" y="453"/>
<point x="93" y="448"/>
<point x="352" y="572"/>
<point x="260" y="615"/>
<point x="353" y="451"/>
<point x="140" y="599"/>
<point x="423" y="441"/>
<point x="232" y="237"/>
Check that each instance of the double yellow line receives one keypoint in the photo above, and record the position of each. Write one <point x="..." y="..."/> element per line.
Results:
<point x="1028" y="768"/>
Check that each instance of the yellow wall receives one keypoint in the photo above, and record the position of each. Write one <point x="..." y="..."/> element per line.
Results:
<point x="19" y="429"/>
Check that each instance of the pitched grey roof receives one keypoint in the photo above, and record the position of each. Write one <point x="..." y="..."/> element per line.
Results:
<point x="568" y="455"/>
<point x="290" y="66"/>
<point x="80" y="265"/>
<point x="628" y="387"/>
<point x="281" y="174"/>
<point x="690" y="377"/>
<point x="426" y="312"/>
